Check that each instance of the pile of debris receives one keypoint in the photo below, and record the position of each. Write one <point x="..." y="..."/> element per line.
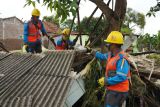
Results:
<point x="35" y="80"/>
<point x="144" y="89"/>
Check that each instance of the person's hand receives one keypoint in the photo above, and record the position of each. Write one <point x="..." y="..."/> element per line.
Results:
<point x="102" y="81"/>
<point x="25" y="47"/>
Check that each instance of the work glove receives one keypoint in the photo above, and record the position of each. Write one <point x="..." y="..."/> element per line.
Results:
<point x="25" y="48"/>
<point x="102" y="81"/>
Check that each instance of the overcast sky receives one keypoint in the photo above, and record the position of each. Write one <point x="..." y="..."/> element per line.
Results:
<point x="9" y="8"/>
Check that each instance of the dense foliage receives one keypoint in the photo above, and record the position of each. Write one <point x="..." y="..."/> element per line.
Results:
<point x="149" y="42"/>
<point x="133" y="20"/>
<point x="63" y="8"/>
<point x="51" y="19"/>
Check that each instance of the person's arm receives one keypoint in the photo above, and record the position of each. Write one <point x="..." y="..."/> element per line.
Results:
<point x="101" y="56"/>
<point x="71" y="43"/>
<point x="121" y="72"/>
<point x="43" y="30"/>
<point x="25" y="33"/>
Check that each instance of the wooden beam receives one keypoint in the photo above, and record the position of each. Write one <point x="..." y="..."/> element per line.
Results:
<point x="104" y="8"/>
<point x="94" y="29"/>
<point x="79" y="28"/>
<point x="142" y="53"/>
<point x="147" y="73"/>
<point x="88" y="21"/>
<point x="3" y="47"/>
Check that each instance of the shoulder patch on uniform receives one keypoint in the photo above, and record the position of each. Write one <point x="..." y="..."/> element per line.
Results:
<point x="122" y="63"/>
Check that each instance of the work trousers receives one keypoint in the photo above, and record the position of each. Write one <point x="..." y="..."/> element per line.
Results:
<point x="35" y="47"/>
<point x="114" y="98"/>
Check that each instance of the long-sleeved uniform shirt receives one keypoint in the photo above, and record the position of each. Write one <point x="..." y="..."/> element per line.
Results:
<point x="26" y="29"/>
<point x="60" y="41"/>
<point x="121" y="71"/>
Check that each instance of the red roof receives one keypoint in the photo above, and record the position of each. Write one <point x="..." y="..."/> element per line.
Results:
<point x="50" y="27"/>
<point x="53" y="28"/>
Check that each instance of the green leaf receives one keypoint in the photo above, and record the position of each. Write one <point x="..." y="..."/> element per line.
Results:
<point x="126" y="31"/>
<point x="63" y="18"/>
<point x="25" y="5"/>
<point x="148" y="14"/>
<point x="28" y="2"/>
<point x="55" y="5"/>
<point x="73" y="11"/>
<point x="74" y="4"/>
<point x="33" y="3"/>
<point x="63" y="8"/>
<point x="154" y="14"/>
<point x="50" y="7"/>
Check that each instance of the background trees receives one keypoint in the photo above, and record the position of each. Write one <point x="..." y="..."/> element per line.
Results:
<point x="64" y="8"/>
<point x="51" y="19"/>
<point x="115" y="17"/>
<point x="149" y="42"/>
<point x="133" y="21"/>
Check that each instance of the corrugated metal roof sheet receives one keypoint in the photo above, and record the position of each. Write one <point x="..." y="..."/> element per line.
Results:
<point x="46" y="79"/>
<point x="3" y="55"/>
<point x="57" y="64"/>
<point x="18" y="102"/>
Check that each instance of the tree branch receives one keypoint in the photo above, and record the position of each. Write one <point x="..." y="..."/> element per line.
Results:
<point x="104" y="8"/>
<point x="91" y="16"/>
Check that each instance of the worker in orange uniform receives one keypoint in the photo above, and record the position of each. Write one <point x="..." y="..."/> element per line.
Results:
<point x="116" y="79"/>
<point x="32" y="33"/>
<point x="65" y="43"/>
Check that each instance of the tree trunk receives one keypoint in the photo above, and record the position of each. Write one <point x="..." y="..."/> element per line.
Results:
<point x="115" y="17"/>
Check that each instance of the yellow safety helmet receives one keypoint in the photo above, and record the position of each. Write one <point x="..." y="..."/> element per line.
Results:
<point x="66" y="31"/>
<point x="35" y="12"/>
<point x="115" y="37"/>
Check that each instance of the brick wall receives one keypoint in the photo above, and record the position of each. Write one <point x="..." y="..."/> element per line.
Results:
<point x="10" y="28"/>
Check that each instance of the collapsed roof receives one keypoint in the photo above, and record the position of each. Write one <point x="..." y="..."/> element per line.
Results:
<point x="35" y="80"/>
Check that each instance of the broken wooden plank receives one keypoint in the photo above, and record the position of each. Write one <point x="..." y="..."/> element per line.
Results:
<point x="147" y="73"/>
<point x="142" y="53"/>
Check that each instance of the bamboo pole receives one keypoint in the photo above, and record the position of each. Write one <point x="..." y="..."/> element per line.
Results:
<point x="94" y="29"/>
<point x="79" y="26"/>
